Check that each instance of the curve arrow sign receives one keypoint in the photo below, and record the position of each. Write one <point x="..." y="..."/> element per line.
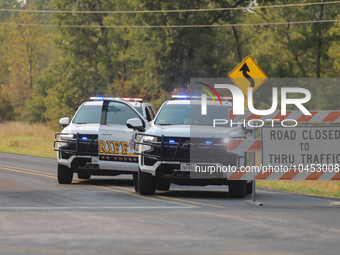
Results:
<point x="245" y="69"/>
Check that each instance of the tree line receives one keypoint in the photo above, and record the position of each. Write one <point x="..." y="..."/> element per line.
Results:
<point x="46" y="72"/>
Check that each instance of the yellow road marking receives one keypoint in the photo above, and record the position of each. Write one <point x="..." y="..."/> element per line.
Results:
<point x="44" y="175"/>
<point x="136" y="195"/>
<point x="129" y="189"/>
<point x="39" y="173"/>
<point x="25" y="172"/>
<point x="25" y="169"/>
<point x="178" y="199"/>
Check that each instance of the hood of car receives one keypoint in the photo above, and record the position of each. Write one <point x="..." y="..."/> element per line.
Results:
<point x="82" y="129"/>
<point x="194" y="131"/>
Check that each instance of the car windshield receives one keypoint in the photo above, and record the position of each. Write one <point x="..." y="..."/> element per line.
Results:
<point x="88" y="114"/>
<point x="189" y="114"/>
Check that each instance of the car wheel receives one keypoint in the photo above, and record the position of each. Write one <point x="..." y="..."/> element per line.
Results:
<point x="84" y="175"/>
<point x="162" y="185"/>
<point x="135" y="181"/>
<point x="237" y="188"/>
<point x="249" y="189"/>
<point x="146" y="183"/>
<point x="65" y="174"/>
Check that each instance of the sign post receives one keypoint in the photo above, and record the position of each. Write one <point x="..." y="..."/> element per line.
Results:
<point x="253" y="193"/>
<point x="248" y="75"/>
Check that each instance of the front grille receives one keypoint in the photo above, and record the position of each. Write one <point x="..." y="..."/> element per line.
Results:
<point x="88" y="146"/>
<point x="195" y="149"/>
<point x="83" y="147"/>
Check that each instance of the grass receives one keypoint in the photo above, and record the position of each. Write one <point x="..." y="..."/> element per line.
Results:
<point x="318" y="188"/>
<point x="37" y="140"/>
<point x="27" y="139"/>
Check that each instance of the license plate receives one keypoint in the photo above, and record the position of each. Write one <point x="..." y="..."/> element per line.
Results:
<point x="94" y="160"/>
<point x="188" y="167"/>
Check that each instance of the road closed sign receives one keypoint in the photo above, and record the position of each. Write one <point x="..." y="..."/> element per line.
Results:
<point x="302" y="146"/>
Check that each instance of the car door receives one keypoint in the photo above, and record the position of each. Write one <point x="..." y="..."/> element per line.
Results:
<point x="115" y="139"/>
<point x="152" y="108"/>
<point x="150" y="115"/>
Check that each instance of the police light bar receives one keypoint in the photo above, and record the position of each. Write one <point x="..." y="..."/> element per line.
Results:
<point x="117" y="98"/>
<point x="182" y="97"/>
<point x="132" y="99"/>
<point x="185" y="97"/>
<point x="97" y="98"/>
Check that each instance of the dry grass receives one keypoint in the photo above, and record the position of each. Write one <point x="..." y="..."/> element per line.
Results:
<point x="27" y="139"/>
<point x="319" y="188"/>
<point x="37" y="140"/>
<point x="25" y="129"/>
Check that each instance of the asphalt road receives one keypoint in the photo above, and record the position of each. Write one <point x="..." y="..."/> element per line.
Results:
<point x="106" y="216"/>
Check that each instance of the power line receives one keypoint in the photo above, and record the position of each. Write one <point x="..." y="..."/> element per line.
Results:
<point x="179" y="26"/>
<point x="167" y="11"/>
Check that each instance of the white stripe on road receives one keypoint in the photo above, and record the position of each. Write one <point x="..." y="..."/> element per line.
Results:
<point x="92" y="208"/>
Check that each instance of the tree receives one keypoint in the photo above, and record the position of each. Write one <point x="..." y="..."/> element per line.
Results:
<point x="181" y="53"/>
<point x="293" y="50"/>
<point x="97" y="61"/>
<point x="8" y="4"/>
<point x="6" y="108"/>
<point x="27" y="52"/>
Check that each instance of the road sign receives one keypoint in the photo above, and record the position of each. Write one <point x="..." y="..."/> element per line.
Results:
<point x="308" y="153"/>
<point x="301" y="147"/>
<point x="248" y="75"/>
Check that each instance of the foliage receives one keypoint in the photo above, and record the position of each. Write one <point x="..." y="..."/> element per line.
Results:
<point x="181" y="53"/>
<point x="46" y="73"/>
<point x="26" y="51"/>
<point x="6" y="109"/>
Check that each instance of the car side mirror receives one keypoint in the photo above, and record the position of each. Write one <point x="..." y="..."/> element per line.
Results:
<point x="64" y="121"/>
<point x="135" y="124"/>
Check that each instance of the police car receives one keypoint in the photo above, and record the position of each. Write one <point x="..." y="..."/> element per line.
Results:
<point x="182" y="144"/>
<point x="97" y="141"/>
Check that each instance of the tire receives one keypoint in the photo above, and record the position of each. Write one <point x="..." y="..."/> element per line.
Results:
<point x="249" y="189"/>
<point x="84" y="175"/>
<point x="146" y="183"/>
<point x="135" y="181"/>
<point x="162" y="185"/>
<point x="65" y="174"/>
<point x="237" y="189"/>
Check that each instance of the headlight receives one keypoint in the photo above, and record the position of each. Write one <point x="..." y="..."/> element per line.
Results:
<point x="67" y="136"/>
<point x="226" y="140"/>
<point x="150" y="139"/>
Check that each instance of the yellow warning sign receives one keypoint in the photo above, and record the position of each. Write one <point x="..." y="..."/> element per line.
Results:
<point x="248" y="75"/>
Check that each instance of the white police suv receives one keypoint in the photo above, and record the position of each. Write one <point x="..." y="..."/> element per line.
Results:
<point x="97" y="141"/>
<point x="182" y="145"/>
